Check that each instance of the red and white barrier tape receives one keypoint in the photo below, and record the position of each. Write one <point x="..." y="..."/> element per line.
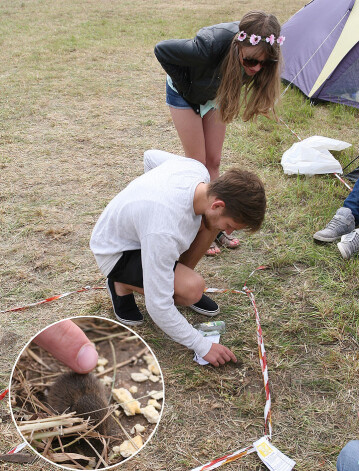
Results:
<point x="52" y="298"/>
<point x="17" y="448"/>
<point x="263" y="362"/>
<point x="216" y="463"/>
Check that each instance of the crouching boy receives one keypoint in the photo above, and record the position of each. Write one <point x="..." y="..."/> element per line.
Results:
<point x="152" y="234"/>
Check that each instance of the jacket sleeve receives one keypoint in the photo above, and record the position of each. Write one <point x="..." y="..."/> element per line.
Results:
<point x="184" y="52"/>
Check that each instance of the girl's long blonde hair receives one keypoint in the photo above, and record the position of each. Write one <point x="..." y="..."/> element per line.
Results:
<point x="260" y="91"/>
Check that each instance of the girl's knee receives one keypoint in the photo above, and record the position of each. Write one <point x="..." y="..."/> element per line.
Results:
<point x="213" y="166"/>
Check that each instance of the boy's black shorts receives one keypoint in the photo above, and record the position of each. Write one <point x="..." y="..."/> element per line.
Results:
<point x="128" y="269"/>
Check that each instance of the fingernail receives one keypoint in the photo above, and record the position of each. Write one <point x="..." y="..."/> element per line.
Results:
<point x="87" y="358"/>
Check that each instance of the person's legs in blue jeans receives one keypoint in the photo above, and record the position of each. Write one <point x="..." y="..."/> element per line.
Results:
<point x="348" y="459"/>
<point x="352" y="202"/>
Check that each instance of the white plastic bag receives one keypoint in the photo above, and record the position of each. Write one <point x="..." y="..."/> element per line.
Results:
<point x="311" y="156"/>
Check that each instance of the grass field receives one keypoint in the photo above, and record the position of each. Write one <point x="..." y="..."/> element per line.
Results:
<point x="82" y="97"/>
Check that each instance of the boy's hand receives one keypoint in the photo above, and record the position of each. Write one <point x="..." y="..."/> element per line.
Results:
<point x="219" y="355"/>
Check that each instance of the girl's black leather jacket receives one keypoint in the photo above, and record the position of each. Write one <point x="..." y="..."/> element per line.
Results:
<point x="194" y="64"/>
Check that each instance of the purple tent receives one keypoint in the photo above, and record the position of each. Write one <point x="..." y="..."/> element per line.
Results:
<point x="321" y="51"/>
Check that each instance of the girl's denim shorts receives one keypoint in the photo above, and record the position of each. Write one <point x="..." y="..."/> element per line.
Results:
<point x="174" y="99"/>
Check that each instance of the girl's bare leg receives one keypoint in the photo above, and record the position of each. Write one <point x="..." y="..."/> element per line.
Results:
<point x="189" y="127"/>
<point x="202" y="139"/>
<point x="214" y="134"/>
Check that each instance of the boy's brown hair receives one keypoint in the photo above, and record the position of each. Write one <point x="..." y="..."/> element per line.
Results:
<point x="244" y="196"/>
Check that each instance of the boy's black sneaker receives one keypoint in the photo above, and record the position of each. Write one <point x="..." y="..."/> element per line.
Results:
<point x="206" y="306"/>
<point x="124" y="307"/>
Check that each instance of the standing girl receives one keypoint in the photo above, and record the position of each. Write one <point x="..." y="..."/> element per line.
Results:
<point x="226" y="70"/>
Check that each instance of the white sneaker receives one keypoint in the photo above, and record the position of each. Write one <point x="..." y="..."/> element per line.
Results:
<point x="342" y="223"/>
<point x="349" y="244"/>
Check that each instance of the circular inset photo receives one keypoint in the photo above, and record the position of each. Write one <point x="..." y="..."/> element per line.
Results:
<point x="86" y="393"/>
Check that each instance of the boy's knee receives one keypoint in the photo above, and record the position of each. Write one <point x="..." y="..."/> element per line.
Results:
<point x="189" y="286"/>
<point x="197" y="288"/>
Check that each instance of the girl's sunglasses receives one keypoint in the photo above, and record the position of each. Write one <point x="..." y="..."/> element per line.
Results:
<point x="248" y="62"/>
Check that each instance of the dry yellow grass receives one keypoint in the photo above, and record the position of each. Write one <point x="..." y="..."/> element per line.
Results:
<point x="82" y="97"/>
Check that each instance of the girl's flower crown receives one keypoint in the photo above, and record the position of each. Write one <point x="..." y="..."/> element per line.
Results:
<point x="254" y="39"/>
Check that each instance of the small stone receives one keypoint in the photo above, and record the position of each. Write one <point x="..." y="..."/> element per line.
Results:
<point x="154" y="403"/>
<point x="139" y="377"/>
<point x="106" y="380"/>
<point x="138" y="428"/>
<point x="149" y="359"/>
<point x="151" y="414"/>
<point x="128" y="448"/>
<point x="153" y="378"/>
<point x="156" y="395"/>
<point x="153" y="367"/>
<point x="126" y="401"/>
<point x="145" y="371"/>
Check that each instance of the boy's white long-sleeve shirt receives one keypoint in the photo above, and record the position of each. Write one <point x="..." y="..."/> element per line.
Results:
<point x="155" y="213"/>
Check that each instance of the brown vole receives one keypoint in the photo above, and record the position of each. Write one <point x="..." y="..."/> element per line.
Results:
<point x="86" y="395"/>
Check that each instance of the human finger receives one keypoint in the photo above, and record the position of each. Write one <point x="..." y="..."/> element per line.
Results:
<point x="68" y="344"/>
<point x="231" y="355"/>
<point x="226" y="356"/>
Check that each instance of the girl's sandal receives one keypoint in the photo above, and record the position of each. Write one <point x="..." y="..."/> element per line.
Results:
<point x="227" y="240"/>
<point x="213" y="250"/>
